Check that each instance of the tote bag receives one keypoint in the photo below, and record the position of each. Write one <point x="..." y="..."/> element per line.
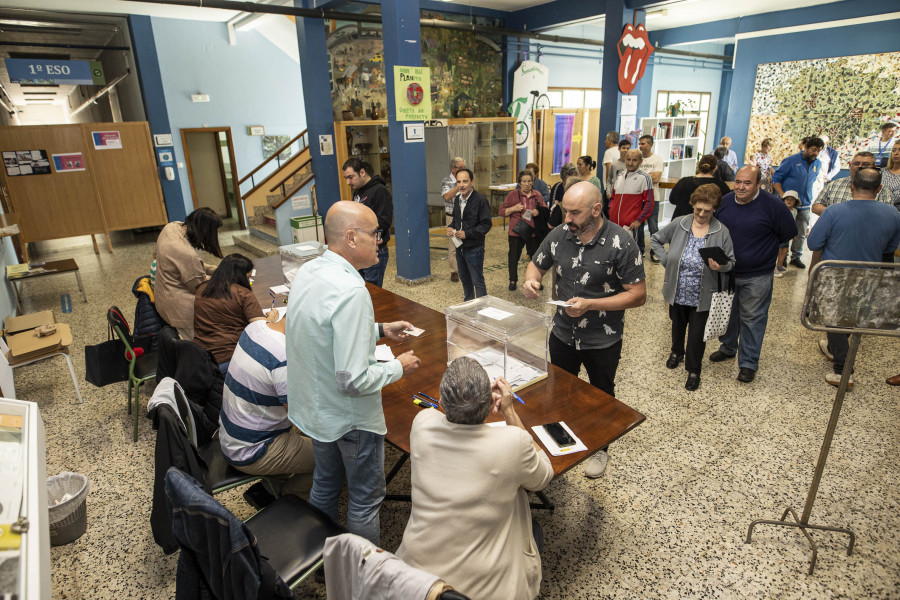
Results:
<point x="105" y="363"/>
<point x="719" y="310"/>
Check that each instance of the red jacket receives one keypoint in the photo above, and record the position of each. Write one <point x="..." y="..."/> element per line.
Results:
<point x="632" y="198"/>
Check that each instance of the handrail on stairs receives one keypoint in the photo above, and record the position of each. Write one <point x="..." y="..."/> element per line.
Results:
<point x="290" y="175"/>
<point x="275" y="156"/>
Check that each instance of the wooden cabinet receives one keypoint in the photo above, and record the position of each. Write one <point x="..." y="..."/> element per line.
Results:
<point x="368" y="141"/>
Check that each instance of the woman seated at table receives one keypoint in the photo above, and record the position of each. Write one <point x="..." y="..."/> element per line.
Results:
<point x="680" y="196"/>
<point x="690" y="281"/>
<point x="179" y="268"/>
<point x="521" y="204"/>
<point x="470" y="522"/>
<point x="223" y="307"/>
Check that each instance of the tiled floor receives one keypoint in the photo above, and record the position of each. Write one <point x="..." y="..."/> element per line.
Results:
<point x="668" y="519"/>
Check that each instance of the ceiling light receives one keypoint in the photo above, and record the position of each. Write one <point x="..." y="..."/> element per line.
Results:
<point x="658" y="13"/>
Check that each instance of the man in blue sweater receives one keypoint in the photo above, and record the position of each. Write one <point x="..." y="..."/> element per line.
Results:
<point x="758" y="222"/>
<point x="798" y="172"/>
<point x="861" y="229"/>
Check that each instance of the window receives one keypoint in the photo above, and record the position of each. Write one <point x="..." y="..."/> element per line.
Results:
<point x="697" y="105"/>
<point x="574" y="97"/>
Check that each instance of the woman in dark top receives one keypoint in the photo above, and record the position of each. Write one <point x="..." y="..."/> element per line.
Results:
<point x="521" y="204"/>
<point x="680" y="196"/>
<point x="223" y="307"/>
<point x="567" y="171"/>
<point x="723" y="169"/>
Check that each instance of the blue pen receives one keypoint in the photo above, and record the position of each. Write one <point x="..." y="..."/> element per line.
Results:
<point x="517" y="397"/>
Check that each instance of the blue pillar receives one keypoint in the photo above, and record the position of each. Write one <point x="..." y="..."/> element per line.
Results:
<point x="403" y="46"/>
<point x="150" y="79"/>
<point x="317" y="100"/>
<point x="722" y="113"/>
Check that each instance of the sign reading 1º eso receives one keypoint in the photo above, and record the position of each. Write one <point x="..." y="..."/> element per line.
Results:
<point x="55" y="72"/>
<point x="412" y="93"/>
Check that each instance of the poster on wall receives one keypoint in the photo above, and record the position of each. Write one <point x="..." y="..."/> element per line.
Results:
<point x="107" y="140"/>
<point x="73" y="161"/>
<point x="412" y="93"/>
<point x="529" y="94"/>
<point x="26" y="162"/>
<point x="795" y="99"/>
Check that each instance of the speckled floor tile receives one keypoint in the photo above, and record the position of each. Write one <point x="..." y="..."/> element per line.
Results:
<point x="668" y="519"/>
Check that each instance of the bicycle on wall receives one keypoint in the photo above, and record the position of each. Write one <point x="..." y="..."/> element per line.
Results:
<point x="539" y="101"/>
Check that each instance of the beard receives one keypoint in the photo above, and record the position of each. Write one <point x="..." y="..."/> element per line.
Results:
<point x="589" y="223"/>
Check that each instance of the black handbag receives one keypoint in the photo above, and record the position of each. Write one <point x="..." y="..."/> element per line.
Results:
<point x="523" y="229"/>
<point x="105" y="363"/>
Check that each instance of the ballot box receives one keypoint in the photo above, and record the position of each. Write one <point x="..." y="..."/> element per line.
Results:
<point x="294" y="256"/>
<point x="506" y="339"/>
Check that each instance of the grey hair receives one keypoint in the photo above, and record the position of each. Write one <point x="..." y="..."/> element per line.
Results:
<point x="466" y="392"/>
<point x="612" y="137"/>
<point x="456" y="160"/>
<point x="567" y="170"/>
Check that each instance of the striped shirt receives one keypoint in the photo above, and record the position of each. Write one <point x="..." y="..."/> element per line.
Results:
<point x="838" y="191"/>
<point x="254" y="401"/>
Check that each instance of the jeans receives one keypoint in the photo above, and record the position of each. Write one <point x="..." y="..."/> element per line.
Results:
<point x="686" y="319"/>
<point x="471" y="272"/>
<point x="749" y="315"/>
<point x="802" y="222"/>
<point x="515" y="253"/>
<point x="652" y="223"/>
<point x="375" y="273"/>
<point x="359" y="454"/>
<point x="600" y="364"/>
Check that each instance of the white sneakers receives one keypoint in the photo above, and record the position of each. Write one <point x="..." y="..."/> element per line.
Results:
<point x="835" y="380"/>
<point x="596" y="465"/>
<point x="823" y="346"/>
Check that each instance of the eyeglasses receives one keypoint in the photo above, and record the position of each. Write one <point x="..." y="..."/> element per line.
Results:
<point x="376" y="232"/>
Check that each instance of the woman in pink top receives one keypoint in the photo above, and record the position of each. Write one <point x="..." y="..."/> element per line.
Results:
<point x="521" y="204"/>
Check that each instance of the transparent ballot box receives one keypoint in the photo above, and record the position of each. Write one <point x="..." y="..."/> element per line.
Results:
<point x="506" y="339"/>
<point x="294" y="256"/>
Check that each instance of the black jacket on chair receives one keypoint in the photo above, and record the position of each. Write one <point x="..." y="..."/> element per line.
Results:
<point x="147" y="322"/>
<point x="476" y="220"/>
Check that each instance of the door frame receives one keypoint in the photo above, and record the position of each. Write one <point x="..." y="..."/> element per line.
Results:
<point x="234" y="177"/>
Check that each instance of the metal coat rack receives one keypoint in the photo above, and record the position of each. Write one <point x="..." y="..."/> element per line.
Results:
<point x="855" y="298"/>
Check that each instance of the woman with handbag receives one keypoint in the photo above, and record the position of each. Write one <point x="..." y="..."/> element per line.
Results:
<point x="690" y="281"/>
<point x="521" y="206"/>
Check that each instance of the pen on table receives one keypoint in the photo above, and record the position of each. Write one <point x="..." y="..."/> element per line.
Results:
<point x="423" y="403"/>
<point x="427" y="397"/>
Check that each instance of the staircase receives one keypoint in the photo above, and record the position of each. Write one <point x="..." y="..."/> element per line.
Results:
<point x="263" y="200"/>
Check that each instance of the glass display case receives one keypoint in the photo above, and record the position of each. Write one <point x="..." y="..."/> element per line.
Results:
<point x="495" y="147"/>
<point x="506" y="339"/>
<point x="368" y="141"/>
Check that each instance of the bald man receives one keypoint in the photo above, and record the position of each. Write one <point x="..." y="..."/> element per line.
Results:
<point x="600" y="274"/>
<point x="631" y="202"/>
<point x="334" y="381"/>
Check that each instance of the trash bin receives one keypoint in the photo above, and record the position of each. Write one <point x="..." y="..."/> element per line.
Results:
<point x="67" y="496"/>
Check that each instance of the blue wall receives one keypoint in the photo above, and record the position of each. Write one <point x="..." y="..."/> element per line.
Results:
<point x="251" y="83"/>
<point x="823" y="42"/>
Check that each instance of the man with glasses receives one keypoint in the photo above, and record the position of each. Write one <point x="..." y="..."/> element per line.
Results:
<point x="469" y="226"/>
<point x="371" y="192"/>
<point x="838" y="191"/>
<point x="334" y="381"/>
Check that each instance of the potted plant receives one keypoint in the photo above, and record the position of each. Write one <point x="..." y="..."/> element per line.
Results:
<point x="679" y="106"/>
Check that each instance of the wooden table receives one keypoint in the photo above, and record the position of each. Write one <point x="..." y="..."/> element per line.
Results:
<point x="53" y="267"/>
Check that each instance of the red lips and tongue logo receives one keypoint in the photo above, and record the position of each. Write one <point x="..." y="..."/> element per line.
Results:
<point x="634" y="52"/>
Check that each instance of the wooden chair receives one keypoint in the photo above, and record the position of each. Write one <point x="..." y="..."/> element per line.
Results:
<point x="142" y="365"/>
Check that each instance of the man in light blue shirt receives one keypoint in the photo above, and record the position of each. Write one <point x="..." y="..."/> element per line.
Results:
<point x="334" y="381"/>
<point x="798" y="172"/>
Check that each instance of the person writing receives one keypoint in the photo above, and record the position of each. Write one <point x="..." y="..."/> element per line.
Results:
<point x="470" y="522"/>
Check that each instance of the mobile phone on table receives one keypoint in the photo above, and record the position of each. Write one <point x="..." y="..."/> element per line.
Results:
<point x="559" y="435"/>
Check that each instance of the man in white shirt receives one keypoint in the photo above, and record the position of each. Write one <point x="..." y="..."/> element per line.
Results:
<point x="449" y="189"/>
<point x="609" y="157"/>
<point x="652" y="165"/>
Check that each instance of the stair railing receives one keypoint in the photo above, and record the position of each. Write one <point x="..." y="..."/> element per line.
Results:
<point x="302" y="137"/>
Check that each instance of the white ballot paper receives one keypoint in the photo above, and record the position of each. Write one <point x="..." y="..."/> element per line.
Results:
<point x="558" y="303"/>
<point x="494" y="313"/>
<point x="551" y="445"/>
<point x="456" y="241"/>
<point x="414" y="331"/>
<point x="280" y="289"/>
<point x="383" y="353"/>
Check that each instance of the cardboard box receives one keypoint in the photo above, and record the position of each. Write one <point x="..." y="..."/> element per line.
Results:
<point x="13" y="325"/>
<point x="27" y="345"/>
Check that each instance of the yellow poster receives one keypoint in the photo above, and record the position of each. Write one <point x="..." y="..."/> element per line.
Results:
<point x="412" y="93"/>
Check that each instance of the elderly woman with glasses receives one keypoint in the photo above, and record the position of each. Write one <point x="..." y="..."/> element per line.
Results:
<point x="690" y="281"/>
<point x="470" y="522"/>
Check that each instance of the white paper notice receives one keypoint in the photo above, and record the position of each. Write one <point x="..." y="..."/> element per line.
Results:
<point x="383" y="353"/>
<point x="279" y="289"/>
<point x="300" y="202"/>
<point x="552" y="447"/>
<point x="494" y="313"/>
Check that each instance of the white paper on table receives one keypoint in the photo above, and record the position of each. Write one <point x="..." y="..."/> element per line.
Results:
<point x="456" y="241"/>
<point x="279" y="289"/>
<point x="494" y="313"/>
<point x="281" y="310"/>
<point x="253" y="273"/>
<point x="551" y="445"/>
<point x="306" y="248"/>
<point x="383" y="353"/>
<point x="559" y="303"/>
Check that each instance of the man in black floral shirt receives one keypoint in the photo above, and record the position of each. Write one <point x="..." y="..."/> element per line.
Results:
<point x="600" y="274"/>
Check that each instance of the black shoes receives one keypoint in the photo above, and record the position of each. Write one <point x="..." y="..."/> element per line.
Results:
<point x="693" y="382"/>
<point x="746" y="375"/>
<point x="719" y="356"/>
<point x="512" y="286"/>
<point x="797" y="263"/>
<point x="673" y="361"/>
<point x="654" y="259"/>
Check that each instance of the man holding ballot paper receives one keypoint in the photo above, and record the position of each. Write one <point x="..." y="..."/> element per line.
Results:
<point x="600" y="274"/>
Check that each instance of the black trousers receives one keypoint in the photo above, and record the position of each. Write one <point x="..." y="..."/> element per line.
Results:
<point x="600" y="364"/>
<point x="839" y="346"/>
<point x="686" y="319"/>
<point x="515" y="253"/>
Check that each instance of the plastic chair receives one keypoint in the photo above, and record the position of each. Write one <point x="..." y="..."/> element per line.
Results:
<point x="15" y="364"/>
<point x="141" y="367"/>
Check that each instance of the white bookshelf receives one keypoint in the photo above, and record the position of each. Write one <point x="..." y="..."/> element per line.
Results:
<point x="675" y="139"/>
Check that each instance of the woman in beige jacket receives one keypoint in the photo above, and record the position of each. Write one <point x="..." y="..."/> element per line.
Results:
<point x="179" y="268"/>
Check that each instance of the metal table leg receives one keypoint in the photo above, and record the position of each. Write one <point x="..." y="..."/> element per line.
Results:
<point x="80" y="285"/>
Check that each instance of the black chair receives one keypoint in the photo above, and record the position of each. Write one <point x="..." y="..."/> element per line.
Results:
<point x="290" y="534"/>
<point x="141" y="367"/>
